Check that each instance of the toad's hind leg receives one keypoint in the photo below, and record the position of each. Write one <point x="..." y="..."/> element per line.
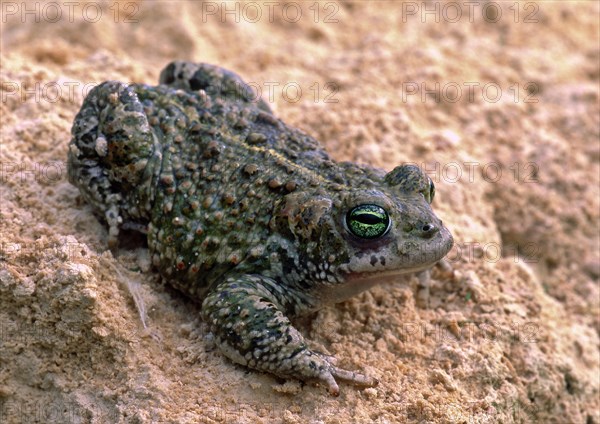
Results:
<point x="113" y="156"/>
<point x="250" y="328"/>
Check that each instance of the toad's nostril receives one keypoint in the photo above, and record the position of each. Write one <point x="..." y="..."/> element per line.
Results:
<point x="428" y="230"/>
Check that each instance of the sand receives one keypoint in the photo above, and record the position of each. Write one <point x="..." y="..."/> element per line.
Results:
<point x="500" y="104"/>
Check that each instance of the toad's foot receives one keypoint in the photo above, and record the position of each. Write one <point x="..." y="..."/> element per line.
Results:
<point x="423" y="295"/>
<point x="245" y="315"/>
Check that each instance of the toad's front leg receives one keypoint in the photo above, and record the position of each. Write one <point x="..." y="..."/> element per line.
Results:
<point x="246" y="317"/>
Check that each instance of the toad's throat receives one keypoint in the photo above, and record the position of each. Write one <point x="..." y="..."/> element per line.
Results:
<point x="357" y="282"/>
<point x="372" y="278"/>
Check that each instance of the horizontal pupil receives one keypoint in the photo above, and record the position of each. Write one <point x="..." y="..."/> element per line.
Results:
<point x="369" y="219"/>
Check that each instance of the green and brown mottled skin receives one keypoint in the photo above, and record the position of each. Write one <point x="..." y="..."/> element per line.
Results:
<point x="245" y="212"/>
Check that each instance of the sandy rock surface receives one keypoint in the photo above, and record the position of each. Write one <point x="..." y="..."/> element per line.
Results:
<point x="500" y="104"/>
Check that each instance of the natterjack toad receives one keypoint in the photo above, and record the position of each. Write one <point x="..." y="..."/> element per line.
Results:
<point x="246" y="213"/>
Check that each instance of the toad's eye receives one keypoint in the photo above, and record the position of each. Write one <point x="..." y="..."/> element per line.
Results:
<point x="430" y="192"/>
<point x="368" y="221"/>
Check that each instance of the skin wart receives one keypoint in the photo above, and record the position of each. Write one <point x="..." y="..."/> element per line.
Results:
<point x="247" y="214"/>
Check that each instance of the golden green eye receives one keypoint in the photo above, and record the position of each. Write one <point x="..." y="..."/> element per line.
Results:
<point x="368" y="221"/>
<point x="411" y="179"/>
<point x="431" y="192"/>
